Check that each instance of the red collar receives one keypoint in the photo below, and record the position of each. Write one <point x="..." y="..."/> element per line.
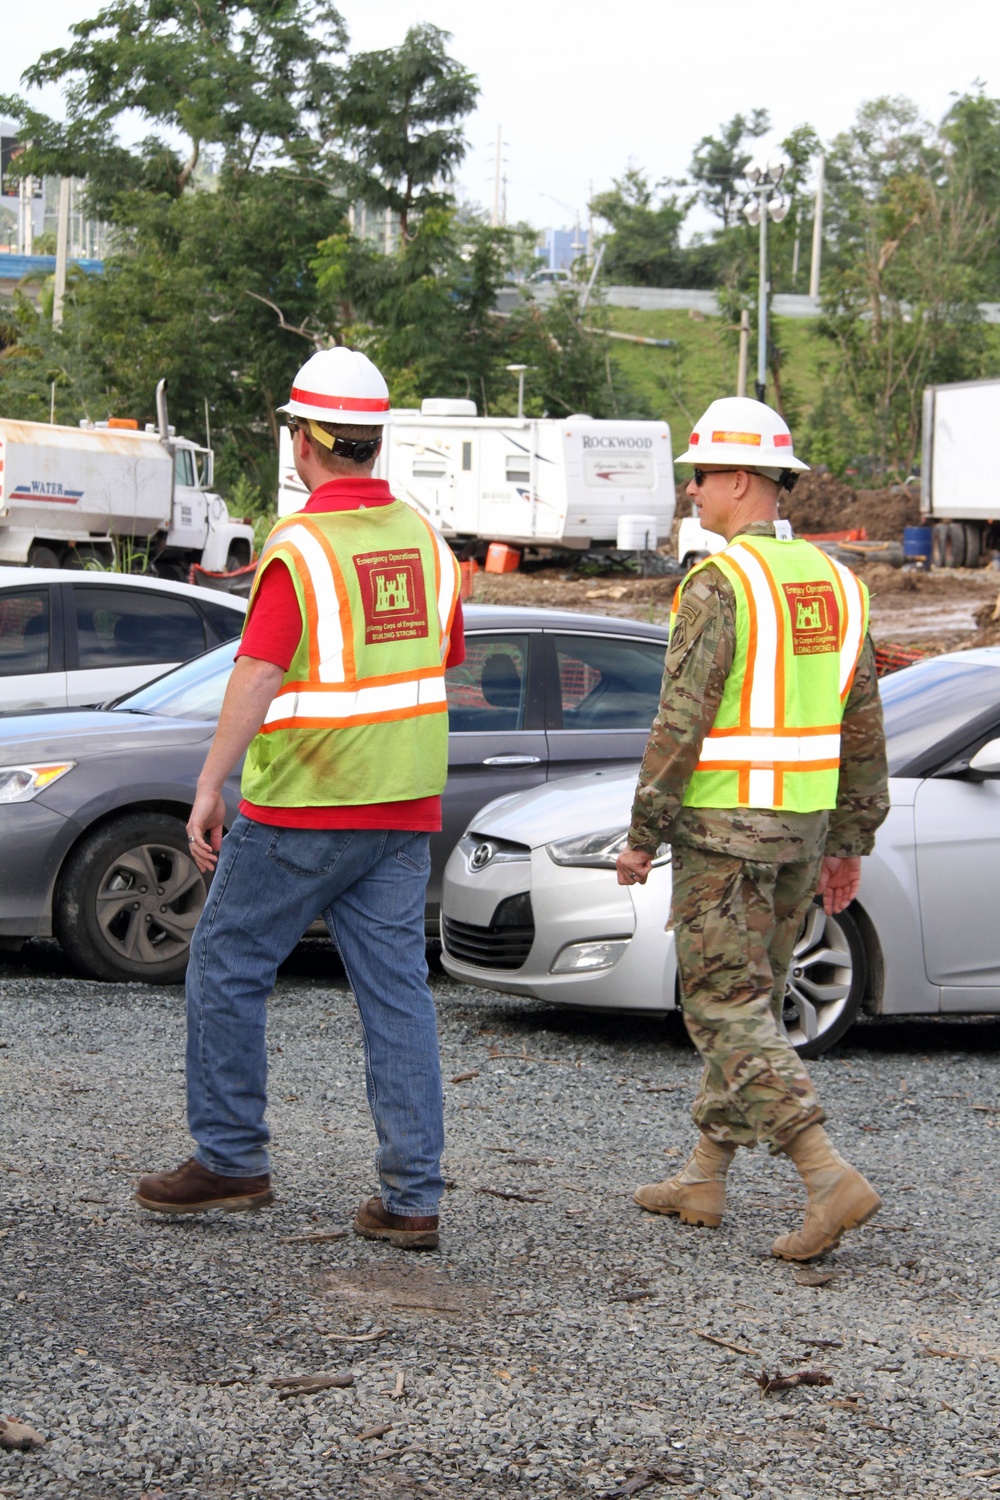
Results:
<point x="349" y="494"/>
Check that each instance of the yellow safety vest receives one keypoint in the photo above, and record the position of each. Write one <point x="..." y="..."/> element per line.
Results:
<point x="801" y="620"/>
<point x="362" y="713"/>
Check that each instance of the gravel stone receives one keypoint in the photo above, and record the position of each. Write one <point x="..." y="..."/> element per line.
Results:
<point x="142" y="1348"/>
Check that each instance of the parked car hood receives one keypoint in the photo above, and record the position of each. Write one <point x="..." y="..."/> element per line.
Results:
<point x="573" y="804"/>
<point x="76" y="732"/>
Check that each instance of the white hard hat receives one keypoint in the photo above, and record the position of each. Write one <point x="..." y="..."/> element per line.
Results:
<point x="340" y="385"/>
<point x="742" y="433"/>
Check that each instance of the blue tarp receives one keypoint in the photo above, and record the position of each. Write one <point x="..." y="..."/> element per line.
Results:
<point x="13" y="267"/>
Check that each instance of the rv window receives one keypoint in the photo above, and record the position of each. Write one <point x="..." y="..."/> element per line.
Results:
<point x="518" y="468"/>
<point x="466" y="456"/>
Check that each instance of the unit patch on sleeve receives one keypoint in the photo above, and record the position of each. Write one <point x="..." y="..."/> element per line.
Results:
<point x="392" y="590"/>
<point x="815" y="617"/>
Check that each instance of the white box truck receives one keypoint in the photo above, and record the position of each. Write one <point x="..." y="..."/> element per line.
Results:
<point x="959" y="495"/>
<point x="69" y="494"/>
<point x="573" y="482"/>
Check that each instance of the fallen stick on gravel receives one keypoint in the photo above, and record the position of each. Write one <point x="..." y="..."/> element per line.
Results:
<point x="354" y="1338"/>
<point x="725" y="1343"/>
<point x="643" y="1480"/>
<point x="305" y="1385"/>
<point x="374" y="1432"/>
<point x="509" y="1194"/>
<point x="779" y="1382"/>
<point x="316" y="1238"/>
<point x="400" y="1385"/>
<point x="632" y="1297"/>
<point x="943" y="1353"/>
<point x="464" y="1077"/>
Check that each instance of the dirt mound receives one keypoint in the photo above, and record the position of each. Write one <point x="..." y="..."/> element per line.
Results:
<point x="820" y="502"/>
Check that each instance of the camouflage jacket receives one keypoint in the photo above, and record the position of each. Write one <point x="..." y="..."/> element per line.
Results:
<point x="699" y="658"/>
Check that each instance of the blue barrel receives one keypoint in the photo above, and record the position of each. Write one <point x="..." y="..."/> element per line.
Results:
<point x="917" y="544"/>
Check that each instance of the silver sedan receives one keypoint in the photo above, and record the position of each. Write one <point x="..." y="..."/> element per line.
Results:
<point x="531" y="904"/>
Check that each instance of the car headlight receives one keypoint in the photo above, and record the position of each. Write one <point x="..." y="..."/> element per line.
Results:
<point x="597" y="850"/>
<point x="21" y="783"/>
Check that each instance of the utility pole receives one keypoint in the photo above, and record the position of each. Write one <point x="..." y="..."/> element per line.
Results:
<point x="795" y="248"/>
<point x="741" y="367"/>
<point x="29" y="216"/>
<point x="62" y="246"/>
<point x="590" y="224"/>
<point x="817" y="248"/>
<point x="495" y="221"/>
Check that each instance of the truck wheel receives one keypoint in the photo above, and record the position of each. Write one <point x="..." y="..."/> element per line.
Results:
<point x="826" y="981"/>
<point x="973" y="543"/>
<point x="42" y="557"/>
<point x="954" y="545"/>
<point x="128" y="899"/>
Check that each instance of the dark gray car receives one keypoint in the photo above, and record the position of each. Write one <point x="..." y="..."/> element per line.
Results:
<point x="93" y="802"/>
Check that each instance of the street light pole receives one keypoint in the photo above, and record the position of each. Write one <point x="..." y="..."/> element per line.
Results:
<point x="764" y="201"/>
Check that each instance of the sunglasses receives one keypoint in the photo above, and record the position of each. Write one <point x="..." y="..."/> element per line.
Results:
<point x="700" y="475"/>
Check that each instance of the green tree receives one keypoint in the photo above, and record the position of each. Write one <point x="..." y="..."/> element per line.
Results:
<point x="398" y="118"/>
<point x="900" y="298"/>
<point x="253" y="79"/>
<point x="644" y="246"/>
<point x="719" y="163"/>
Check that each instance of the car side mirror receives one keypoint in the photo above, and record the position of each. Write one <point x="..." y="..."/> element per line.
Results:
<point x="986" y="760"/>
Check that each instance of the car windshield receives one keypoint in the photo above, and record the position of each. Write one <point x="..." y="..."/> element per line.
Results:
<point x="928" y="701"/>
<point x="192" y="691"/>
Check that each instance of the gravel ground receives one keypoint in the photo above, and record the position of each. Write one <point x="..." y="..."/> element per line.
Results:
<point x="558" y="1345"/>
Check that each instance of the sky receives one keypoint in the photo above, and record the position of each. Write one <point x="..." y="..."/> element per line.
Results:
<point x="581" y="92"/>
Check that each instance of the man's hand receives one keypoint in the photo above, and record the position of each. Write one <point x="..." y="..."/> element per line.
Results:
<point x="204" y="829"/>
<point x="248" y="696"/>
<point x="839" y="879"/>
<point x="633" y="865"/>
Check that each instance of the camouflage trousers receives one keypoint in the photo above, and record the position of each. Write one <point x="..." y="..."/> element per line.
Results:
<point x="735" y="925"/>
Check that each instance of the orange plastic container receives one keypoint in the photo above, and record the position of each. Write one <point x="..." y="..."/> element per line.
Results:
<point x="502" y="559"/>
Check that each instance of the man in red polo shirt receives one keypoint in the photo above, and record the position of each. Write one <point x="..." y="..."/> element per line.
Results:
<point x="338" y="701"/>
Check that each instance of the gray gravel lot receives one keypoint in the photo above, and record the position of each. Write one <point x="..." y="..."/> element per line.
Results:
<point x="555" y="1346"/>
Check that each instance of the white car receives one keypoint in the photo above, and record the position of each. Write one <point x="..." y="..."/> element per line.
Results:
<point x="71" y="637"/>
<point x="531" y="903"/>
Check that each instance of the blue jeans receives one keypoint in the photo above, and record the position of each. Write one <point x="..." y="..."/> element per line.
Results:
<point x="369" y="886"/>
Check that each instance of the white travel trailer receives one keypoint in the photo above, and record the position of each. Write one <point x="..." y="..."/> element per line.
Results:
<point x="574" y="482"/>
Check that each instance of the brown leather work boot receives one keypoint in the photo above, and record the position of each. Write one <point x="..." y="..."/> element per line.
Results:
<point x="839" y="1197"/>
<point x="697" y="1195"/>
<point x="407" y="1232"/>
<point x="194" y="1189"/>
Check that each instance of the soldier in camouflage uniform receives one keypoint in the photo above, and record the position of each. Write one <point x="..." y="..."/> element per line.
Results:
<point x="744" y="876"/>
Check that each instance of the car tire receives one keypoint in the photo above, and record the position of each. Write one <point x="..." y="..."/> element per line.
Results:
<point x="826" y="981"/>
<point x="106" y="915"/>
<point x="43" y="557"/>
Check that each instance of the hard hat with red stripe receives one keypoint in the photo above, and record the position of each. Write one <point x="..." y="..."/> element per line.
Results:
<point x="739" y="433"/>
<point x="340" y="385"/>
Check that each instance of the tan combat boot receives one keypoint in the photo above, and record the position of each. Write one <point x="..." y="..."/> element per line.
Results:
<point x="698" y="1193"/>
<point x="839" y="1197"/>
